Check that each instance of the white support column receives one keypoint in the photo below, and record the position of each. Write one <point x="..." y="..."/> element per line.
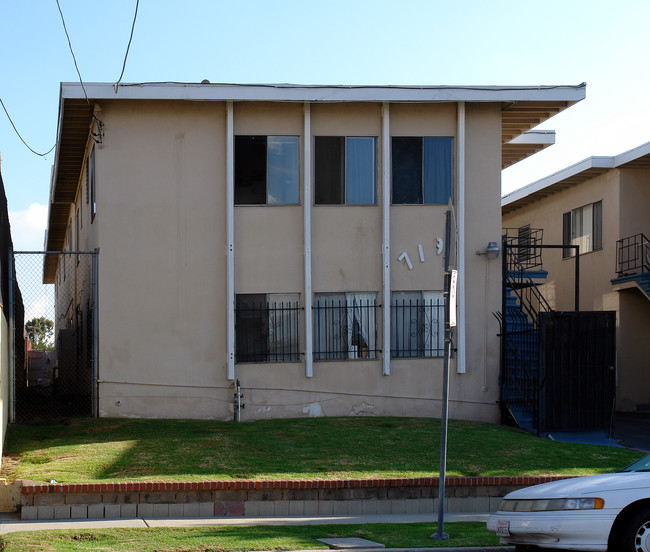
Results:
<point x="461" y="339"/>
<point x="309" y="336"/>
<point x="385" y="146"/>
<point x="230" y="224"/>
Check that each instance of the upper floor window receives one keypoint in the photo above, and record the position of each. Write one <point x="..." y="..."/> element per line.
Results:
<point x="422" y="170"/>
<point x="583" y="227"/>
<point x="345" y="170"/>
<point x="267" y="170"/>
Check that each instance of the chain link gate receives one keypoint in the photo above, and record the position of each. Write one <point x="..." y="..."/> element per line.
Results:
<point x="54" y="363"/>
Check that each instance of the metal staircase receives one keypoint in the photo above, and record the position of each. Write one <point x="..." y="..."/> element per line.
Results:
<point x="519" y="321"/>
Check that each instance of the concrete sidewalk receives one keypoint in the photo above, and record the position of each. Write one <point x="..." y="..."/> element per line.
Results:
<point x="10" y="523"/>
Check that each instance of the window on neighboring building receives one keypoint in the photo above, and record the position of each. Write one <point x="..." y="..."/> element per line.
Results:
<point x="267" y="327"/>
<point x="417" y="324"/>
<point x="345" y="170"/>
<point x="422" y="170"/>
<point x="267" y="170"/>
<point x="583" y="227"/>
<point x="91" y="177"/>
<point x="345" y="326"/>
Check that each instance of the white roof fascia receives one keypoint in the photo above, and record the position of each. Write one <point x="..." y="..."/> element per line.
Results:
<point x="606" y="162"/>
<point x="541" y="137"/>
<point x="632" y="155"/>
<point x="585" y="164"/>
<point x="302" y="93"/>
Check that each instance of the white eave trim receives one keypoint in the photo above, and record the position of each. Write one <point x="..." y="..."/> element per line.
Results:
<point x="533" y="137"/>
<point x="632" y="155"/>
<point x="316" y="93"/>
<point x="596" y="162"/>
<point x="586" y="164"/>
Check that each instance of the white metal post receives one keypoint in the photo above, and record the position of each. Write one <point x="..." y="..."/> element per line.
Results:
<point x="309" y="344"/>
<point x="230" y="223"/>
<point x="460" y="144"/>
<point x="385" y="142"/>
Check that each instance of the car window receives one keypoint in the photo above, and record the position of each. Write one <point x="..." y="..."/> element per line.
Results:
<point x="641" y="465"/>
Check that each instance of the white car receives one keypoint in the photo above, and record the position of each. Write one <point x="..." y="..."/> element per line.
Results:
<point x="598" y="512"/>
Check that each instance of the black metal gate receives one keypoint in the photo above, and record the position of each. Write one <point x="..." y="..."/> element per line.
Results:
<point x="576" y="370"/>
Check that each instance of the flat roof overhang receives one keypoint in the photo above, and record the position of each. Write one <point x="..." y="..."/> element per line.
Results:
<point x="522" y="108"/>
<point x="637" y="158"/>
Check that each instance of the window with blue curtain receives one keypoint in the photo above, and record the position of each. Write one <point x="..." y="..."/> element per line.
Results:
<point x="422" y="170"/>
<point x="345" y="170"/>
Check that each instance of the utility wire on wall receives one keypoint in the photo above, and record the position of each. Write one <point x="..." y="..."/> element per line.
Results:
<point x="19" y="136"/>
<point x="128" y="47"/>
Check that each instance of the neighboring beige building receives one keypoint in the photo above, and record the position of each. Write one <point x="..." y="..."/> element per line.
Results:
<point x="601" y="204"/>
<point x="288" y="237"/>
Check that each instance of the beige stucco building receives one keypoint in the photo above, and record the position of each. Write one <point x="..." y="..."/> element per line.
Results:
<point x="602" y="205"/>
<point x="290" y="238"/>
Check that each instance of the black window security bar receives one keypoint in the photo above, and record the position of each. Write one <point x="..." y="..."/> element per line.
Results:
<point x="345" y="329"/>
<point x="633" y="255"/>
<point x="417" y="329"/>
<point x="267" y="332"/>
<point x="528" y="241"/>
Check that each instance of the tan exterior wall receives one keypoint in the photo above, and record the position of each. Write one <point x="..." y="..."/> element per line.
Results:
<point x="597" y="267"/>
<point x="161" y="230"/>
<point x="635" y="202"/>
<point x="625" y="196"/>
<point x="162" y="239"/>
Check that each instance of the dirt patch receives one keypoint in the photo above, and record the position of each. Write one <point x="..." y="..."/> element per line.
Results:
<point x="9" y="466"/>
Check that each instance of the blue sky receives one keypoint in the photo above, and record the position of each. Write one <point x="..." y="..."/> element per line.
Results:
<point x="605" y="44"/>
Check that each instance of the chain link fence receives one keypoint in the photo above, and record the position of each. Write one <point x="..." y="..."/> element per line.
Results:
<point x="53" y="365"/>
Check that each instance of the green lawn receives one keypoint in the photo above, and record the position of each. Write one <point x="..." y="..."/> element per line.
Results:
<point x="222" y="538"/>
<point x="87" y="450"/>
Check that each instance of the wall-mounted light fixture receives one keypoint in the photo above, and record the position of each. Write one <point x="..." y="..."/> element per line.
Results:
<point x="491" y="251"/>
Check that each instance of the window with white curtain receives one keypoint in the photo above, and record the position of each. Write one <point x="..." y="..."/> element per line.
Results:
<point x="345" y="326"/>
<point x="417" y="324"/>
<point x="583" y="227"/>
<point x="345" y="170"/>
<point x="267" y="170"/>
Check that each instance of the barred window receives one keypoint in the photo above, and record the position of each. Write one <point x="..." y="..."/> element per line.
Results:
<point x="345" y="326"/>
<point x="267" y="327"/>
<point x="417" y="324"/>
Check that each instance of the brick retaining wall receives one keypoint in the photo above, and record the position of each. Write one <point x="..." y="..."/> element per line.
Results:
<point x="271" y="498"/>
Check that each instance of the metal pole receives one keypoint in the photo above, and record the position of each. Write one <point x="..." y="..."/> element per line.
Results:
<point x="12" y="341"/>
<point x="577" y="300"/>
<point x="441" y="535"/>
<point x="95" y="291"/>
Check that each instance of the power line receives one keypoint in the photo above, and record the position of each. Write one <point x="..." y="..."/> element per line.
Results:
<point x="126" y="55"/>
<point x="72" y="51"/>
<point x="21" y="138"/>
